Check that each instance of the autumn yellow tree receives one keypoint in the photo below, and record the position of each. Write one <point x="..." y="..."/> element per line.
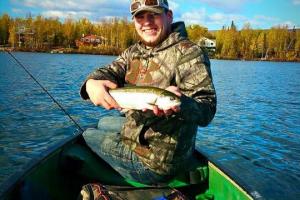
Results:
<point x="126" y="33"/>
<point x="230" y="43"/>
<point x="261" y="45"/>
<point x="277" y="42"/>
<point x="12" y="40"/>
<point x="249" y="47"/>
<point x="196" y="32"/>
<point x="68" y="31"/>
<point x="219" y="41"/>
<point x="84" y="27"/>
<point x="297" y="44"/>
<point x="246" y="41"/>
<point x="54" y="32"/>
<point x="4" y="28"/>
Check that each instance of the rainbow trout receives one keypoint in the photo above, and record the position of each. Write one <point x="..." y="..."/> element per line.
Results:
<point x="144" y="97"/>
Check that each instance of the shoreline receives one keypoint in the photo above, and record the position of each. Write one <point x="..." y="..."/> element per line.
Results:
<point x="76" y="51"/>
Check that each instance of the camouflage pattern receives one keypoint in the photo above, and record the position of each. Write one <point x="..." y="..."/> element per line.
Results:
<point x="165" y="144"/>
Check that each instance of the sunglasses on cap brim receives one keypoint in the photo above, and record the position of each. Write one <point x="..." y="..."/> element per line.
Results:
<point x="137" y="5"/>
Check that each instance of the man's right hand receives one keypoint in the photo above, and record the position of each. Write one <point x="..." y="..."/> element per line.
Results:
<point x="98" y="93"/>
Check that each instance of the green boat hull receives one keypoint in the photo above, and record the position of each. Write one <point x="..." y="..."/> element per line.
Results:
<point x="63" y="170"/>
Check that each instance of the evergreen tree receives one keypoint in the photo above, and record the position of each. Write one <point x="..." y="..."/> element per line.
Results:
<point x="233" y="26"/>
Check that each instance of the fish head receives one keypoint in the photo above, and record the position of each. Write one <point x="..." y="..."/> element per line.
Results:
<point x="167" y="101"/>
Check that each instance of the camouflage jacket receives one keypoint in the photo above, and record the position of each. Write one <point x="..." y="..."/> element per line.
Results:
<point x="164" y="144"/>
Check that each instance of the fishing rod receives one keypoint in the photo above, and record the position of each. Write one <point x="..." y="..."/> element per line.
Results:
<point x="45" y="90"/>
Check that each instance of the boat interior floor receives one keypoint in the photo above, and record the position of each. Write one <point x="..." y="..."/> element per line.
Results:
<point x="88" y="167"/>
<point x="63" y="173"/>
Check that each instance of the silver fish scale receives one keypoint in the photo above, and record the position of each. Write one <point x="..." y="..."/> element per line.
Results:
<point x="139" y="98"/>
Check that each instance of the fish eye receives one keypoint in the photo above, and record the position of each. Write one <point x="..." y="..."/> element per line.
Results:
<point x="172" y="98"/>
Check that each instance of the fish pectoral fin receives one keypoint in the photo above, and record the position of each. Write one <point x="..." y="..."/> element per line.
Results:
<point x="149" y="106"/>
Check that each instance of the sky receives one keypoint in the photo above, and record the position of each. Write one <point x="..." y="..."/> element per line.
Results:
<point x="213" y="14"/>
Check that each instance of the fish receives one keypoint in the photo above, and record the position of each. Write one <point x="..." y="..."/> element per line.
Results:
<point x="144" y="97"/>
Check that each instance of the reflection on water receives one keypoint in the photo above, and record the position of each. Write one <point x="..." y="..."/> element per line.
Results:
<point x="255" y="132"/>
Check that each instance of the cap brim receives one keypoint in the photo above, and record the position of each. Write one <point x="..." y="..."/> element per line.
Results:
<point x="158" y="10"/>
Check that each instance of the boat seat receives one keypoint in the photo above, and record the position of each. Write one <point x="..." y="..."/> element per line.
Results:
<point x="79" y="159"/>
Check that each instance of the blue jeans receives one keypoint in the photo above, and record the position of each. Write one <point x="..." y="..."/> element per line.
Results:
<point x="105" y="140"/>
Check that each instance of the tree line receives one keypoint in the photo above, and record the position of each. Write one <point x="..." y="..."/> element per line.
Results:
<point x="43" y="34"/>
<point x="278" y="43"/>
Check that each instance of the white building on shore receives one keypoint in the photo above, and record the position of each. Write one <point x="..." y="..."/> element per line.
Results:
<point x="207" y="43"/>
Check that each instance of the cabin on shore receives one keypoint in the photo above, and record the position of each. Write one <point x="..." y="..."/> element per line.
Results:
<point x="207" y="43"/>
<point x="90" y="40"/>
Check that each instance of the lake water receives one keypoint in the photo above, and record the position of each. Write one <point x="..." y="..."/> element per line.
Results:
<point x="255" y="133"/>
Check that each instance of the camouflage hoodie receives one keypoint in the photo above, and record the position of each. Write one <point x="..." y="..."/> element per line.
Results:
<point x="164" y="144"/>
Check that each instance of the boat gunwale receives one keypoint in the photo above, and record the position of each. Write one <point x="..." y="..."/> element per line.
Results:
<point x="16" y="178"/>
<point x="232" y="177"/>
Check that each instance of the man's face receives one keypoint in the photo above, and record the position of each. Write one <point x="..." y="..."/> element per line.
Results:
<point x="153" y="28"/>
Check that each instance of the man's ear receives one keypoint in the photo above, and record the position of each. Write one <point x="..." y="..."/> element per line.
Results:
<point x="170" y="16"/>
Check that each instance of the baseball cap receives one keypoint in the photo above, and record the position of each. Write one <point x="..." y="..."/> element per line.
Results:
<point x="156" y="6"/>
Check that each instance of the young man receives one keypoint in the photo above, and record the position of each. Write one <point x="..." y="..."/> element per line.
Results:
<point x="153" y="146"/>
